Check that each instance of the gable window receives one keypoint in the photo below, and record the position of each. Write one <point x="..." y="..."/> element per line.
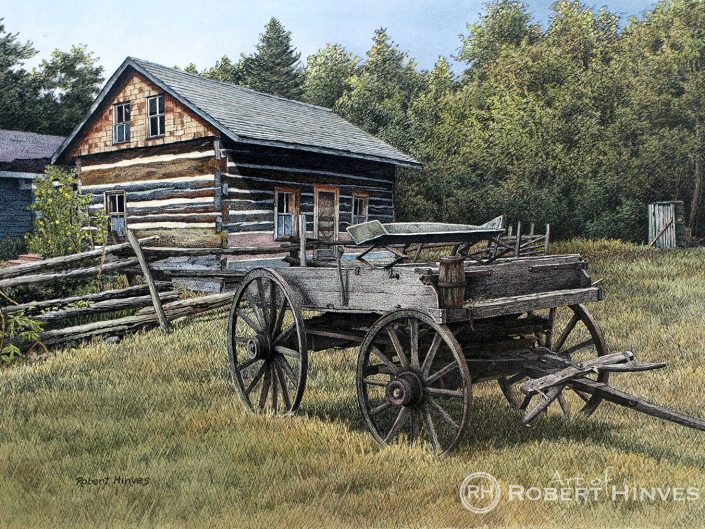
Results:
<point x="286" y="207"/>
<point x="359" y="210"/>
<point x="155" y="116"/>
<point x="121" y="123"/>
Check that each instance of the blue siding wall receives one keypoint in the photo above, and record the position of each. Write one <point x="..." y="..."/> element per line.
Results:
<point x="15" y="220"/>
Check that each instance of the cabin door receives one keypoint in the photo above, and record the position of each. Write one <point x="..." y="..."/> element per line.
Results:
<point x="326" y="215"/>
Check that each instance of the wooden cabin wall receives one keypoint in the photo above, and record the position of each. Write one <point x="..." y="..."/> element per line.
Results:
<point x="171" y="190"/>
<point x="252" y="174"/>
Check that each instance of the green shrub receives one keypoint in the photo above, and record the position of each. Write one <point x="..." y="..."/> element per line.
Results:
<point x="61" y="215"/>
<point x="11" y="247"/>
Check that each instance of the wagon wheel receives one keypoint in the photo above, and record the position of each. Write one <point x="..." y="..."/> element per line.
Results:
<point x="413" y="382"/>
<point x="267" y="343"/>
<point x="575" y="335"/>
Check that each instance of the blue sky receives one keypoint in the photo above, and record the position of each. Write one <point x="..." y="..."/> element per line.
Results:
<point x="181" y="31"/>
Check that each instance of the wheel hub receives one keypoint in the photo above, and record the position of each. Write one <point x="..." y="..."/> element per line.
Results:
<point x="404" y="390"/>
<point x="258" y="347"/>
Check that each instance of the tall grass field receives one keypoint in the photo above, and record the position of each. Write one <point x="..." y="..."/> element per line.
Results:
<point x="150" y="433"/>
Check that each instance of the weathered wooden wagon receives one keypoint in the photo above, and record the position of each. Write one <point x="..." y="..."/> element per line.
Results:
<point x="428" y="332"/>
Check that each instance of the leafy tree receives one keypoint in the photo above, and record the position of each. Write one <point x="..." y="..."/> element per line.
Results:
<point x="274" y="68"/>
<point x="17" y="92"/>
<point x="506" y="23"/>
<point x="70" y="82"/>
<point x="328" y="72"/>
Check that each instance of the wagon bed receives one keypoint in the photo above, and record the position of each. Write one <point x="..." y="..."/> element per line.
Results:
<point x="428" y="332"/>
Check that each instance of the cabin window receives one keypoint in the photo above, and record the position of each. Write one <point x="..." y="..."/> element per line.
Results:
<point x="359" y="209"/>
<point x="155" y="115"/>
<point x="121" y="123"/>
<point x="115" y="208"/>
<point x="286" y="212"/>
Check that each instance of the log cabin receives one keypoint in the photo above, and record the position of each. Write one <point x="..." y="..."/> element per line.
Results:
<point x="206" y="163"/>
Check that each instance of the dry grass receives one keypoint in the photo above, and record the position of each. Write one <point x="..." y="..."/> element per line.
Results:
<point x="162" y="407"/>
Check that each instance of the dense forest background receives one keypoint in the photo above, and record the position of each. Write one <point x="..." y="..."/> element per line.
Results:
<point x="579" y="123"/>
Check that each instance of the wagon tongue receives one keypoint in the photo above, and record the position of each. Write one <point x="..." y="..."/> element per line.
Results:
<point x="559" y="373"/>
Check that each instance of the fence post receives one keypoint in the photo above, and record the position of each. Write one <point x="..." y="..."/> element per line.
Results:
<point x="147" y="274"/>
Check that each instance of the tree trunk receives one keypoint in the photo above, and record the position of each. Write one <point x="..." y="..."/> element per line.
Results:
<point x="697" y="183"/>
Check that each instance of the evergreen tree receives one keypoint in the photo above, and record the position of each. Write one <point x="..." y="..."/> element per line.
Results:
<point x="380" y="94"/>
<point x="328" y="72"/>
<point x="274" y="68"/>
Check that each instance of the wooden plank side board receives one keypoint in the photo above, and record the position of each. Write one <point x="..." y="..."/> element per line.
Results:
<point x="371" y="290"/>
<point x="521" y="276"/>
<point x="491" y="308"/>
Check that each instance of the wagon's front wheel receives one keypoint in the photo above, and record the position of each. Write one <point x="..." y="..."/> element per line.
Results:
<point x="267" y="345"/>
<point x="413" y="382"/>
<point x="572" y="333"/>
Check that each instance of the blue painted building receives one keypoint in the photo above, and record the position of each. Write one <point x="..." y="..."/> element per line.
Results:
<point x="23" y="156"/>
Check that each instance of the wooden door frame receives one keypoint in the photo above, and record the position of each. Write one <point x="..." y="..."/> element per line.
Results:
<point x="326" y="189"/>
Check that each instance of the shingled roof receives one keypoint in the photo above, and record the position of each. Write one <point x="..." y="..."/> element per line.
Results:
<point x="248" y="116"/>
<point x="19" y="145"/>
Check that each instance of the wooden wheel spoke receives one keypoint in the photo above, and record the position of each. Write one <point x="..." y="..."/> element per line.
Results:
<point x="442" y="412"/>
<point x="287" y="351"/>
<point x="272" y="306"/>
<point x="385" y="360"/>
<point x="251" y="324"/>
<point x="415" y="429"/>
<point x="430" y="428"/>
<point x="432" y="350"/>
<point x="379" y="409"/>
<point x="563" y="404"/>
<point x="288" y="370"/>
<point x="450" y="393"/>
<point x="247" y="364"/>
<point x="414" y="342"/>
<point x="256" y="308"/>
<point x="275" y="383"/>
<point x="398" y="424"/>
<point x="282" y="385"/>
<point x="281" y="312"/>
<point x="256" y="379"/>
<point x="403" y="360"/>
<point x="575" y="348"/>
<point x="265" y="386"/>
<point x="442" y="372"/>
<point x="284" y="335"/>
<point x="566" y="332"/>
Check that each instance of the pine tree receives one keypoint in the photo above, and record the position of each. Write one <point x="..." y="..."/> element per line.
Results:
<point x="328" y="72"/>
<point x="274" y="68"/>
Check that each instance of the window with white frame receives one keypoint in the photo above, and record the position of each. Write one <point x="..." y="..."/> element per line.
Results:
<point x="121" y="123"/>
<point x="115" y="208"/>
<point x="155" y="116"/>
<point x="286" y="211"/>
<point x="360" y="203"/>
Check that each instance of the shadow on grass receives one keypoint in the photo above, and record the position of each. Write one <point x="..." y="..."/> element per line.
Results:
<point x="494" y="425"/>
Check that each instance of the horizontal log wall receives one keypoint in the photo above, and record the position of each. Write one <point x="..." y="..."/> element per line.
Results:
<point x="251" y="179"/>
<point x="174" y="188"/>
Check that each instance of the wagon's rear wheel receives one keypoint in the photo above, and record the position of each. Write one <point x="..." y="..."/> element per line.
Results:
<point x="267" y="343"/>
<point x="413" y="382"/>
<point x="574" y="334"/>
